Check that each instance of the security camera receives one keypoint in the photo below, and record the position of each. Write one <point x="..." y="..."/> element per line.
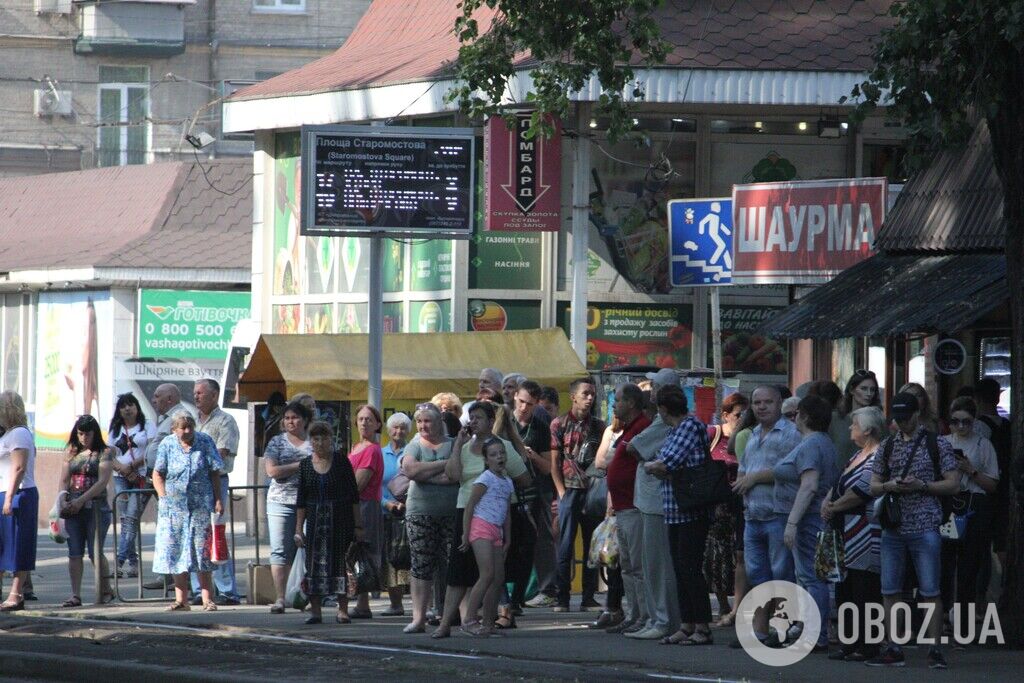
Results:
<point x="200" y="141"/>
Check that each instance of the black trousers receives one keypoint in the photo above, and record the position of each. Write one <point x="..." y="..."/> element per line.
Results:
<point x="859" y="588"/>
<point x="962" y="560"/>
<point x="686" y="544"/>
<point x="519" y="561"/>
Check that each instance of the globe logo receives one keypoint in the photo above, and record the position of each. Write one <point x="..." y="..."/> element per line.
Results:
<point x="778" y="623"/>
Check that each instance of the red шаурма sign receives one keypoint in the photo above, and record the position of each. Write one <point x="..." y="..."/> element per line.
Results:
<point x="804" y="232"/>
<point x="523" y="174"/>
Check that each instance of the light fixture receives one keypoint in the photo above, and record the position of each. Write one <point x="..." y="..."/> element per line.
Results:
<point x="593" y="123"/>
<point x="200" y="141"/>
<point x="758" y="125"/>
<point x="802" y="126"/>
<point x="677" y="120"/>
<point x="636" y="122"/>
<point x="844" y="126"/>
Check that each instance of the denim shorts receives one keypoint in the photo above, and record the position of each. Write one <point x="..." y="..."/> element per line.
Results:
<point x="281" y="530"/>
<point x="81" y="528"/>
<point x="924" y="549"/>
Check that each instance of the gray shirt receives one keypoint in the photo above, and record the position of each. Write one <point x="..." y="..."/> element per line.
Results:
<point x="222" y="428"/>
<point x="815" y="452"/>
<point x="163" y="429"/>
<point x="647" y="489"/>
<point x="429" y="499"/>
<point x="763" y="452"/>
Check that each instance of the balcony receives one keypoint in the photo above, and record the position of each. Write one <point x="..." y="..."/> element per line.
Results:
<point x="134" y="28"/>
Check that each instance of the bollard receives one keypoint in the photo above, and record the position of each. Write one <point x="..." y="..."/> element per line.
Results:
<point x="97" y="551"/>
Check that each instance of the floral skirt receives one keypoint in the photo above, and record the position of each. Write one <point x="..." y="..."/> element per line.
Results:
<point x="325" y="555"/>
<point x="719" y="553"/>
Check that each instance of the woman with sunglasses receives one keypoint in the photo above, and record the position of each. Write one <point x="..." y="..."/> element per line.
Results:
<point x="976" y="460"/>
<point x="88" y="464"/>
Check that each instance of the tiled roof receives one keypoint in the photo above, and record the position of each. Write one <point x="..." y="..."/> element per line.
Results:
<point x="955" y="204"/>
<point x="412" y="40"/>
<point x="129" y="217"/>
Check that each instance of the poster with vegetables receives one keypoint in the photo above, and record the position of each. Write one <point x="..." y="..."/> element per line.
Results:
<point x="636" y="334"/>
<point x="319" y="318"/>
<point x="743" y="349"/>
<point x="288" y="246"/>
<point x="286" y="318"/>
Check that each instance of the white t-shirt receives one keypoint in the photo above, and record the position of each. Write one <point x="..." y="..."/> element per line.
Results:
<point x="982" y="456"/>
<point x="140" y="438"/>
<point x="19" y="437"/>
<point x="493" y="506"/>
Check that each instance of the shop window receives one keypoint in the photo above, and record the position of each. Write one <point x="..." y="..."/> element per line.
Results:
<point x="917" y="362"/>
<point x="995" y="363"/>
<point x="279" y="5"/>
<point x="885" y="161"/>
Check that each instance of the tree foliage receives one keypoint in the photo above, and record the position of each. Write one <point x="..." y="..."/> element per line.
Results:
<point x="566" y="41"/>
<point x="942" y="65"/>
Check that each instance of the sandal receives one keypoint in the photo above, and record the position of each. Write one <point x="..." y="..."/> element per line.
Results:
<point x="210" y="607"/>
<point x="342" y="618"/>
<point x="73" y="601"/>
<point x="503" y="623"/>
<point x="179" y="607"/>
<point x="699" y="638"/>
<point x="12" y="605"/>
<point x="677" y="637"/>
<point x="727" y="620"/>
<point x="277" y="607"/>
<point x="361" y="614"/>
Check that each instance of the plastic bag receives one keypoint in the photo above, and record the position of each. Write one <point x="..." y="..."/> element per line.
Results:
<point x="365" y="576"/>
<point x="293" y="595"/>
<point x="217" y="541"/>
<point x="58" y="532"/>
<point x="830" y="556"/>
<point x="604" y="545"/>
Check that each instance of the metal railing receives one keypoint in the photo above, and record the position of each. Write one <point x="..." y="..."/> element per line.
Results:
<point x="149" y="492"/>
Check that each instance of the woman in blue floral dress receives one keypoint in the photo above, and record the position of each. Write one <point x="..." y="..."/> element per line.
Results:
<point x="187" y="480"/>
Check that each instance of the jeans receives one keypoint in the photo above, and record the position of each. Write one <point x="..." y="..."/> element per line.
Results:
<point x="281" y="530"/>
<point x="924" y="549"/>
<point x="765" y="555"/>
<point x="803" y="560"/>
<point x="570" y="516"/>
<point x="81" y="531"/>
<point x="129" y="510"/>
<point x="223" y="574"/>
<point x="686" y="542"/>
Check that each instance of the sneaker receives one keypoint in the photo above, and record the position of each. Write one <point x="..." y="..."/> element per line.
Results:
<point x="936" y="660"/>
<point x="635" y="628"/>
<point x="129" y="571"/>
<point x="591" y="605"/>
<point x="653" y="633"/>
<point x="560" y="608"/>
<point x="542" y="600"/>
<point x="889" y="657"/>
<point x="227" y="600"/>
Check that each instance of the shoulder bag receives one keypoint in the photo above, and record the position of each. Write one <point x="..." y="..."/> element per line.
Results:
<point x="702" y="486"/>
<point x="887" y="506"/>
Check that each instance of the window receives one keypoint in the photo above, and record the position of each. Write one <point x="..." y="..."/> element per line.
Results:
<point x="124" y="131"/>
<point x="279" y="5"/>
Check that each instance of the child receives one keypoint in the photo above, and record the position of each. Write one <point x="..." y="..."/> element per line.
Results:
<point x="487" y="529"/>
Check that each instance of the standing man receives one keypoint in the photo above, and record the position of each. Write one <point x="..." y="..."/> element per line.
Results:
<point x="548" y="403"/>
<point x="575" y="437"/>
<point x="536" y="435"/>
<point x="222" y="428"/>
<point x="658" y="577"/>
<point x="765" y="555"/>
<point x="490" y="379"/>
<point x="621" y="478"/>
<point x="509" y="386"/>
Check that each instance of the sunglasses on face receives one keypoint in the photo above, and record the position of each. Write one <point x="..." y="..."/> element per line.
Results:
<point x="967" y="422"/>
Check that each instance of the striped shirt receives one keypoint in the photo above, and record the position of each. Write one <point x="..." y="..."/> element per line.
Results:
<point x="685" y="446"/>
<point x="861" y="533"/>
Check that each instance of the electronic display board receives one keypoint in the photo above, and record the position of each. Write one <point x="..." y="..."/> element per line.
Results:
<point x="390" y="181"/>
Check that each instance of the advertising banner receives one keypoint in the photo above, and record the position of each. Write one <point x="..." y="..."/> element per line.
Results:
<point x="494" y="316"/>
<point x="505" y="260"/>
<point x="743" y="349"/>
<point x="73" y="363"/>
<point x="431" y="266"/>
<point x="523" y="176"/>
<point x="188" y="324"/>
<point x="430" y="316"/>
<point x="636" y="334"/>
<point x="700" y="241"/>
<point x="804" y="232"/>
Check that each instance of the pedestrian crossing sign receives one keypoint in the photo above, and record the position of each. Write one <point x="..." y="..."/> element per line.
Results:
<point x="700" y="240"/>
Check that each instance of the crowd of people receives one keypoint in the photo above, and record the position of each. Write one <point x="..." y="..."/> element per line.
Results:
<point x="471" y="508"/>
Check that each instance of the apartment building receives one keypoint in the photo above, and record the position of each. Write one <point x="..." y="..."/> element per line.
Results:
<point x="86" y="83"/>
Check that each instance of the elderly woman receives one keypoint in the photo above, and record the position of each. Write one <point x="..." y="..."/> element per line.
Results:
<point x="368" y="462"/>
<point x="848" y="507"/>
<point x="802" y="479"/>
<point x="327" y="520"/>
<point x="448" y="402"/>
<point x="281" y="460"/>
<point x="19" y="499"/>
<point x="88" y="464"/>
<point x="430" y="509"/>
<point x="395" y="580"/>
<point x="186" y="477"/>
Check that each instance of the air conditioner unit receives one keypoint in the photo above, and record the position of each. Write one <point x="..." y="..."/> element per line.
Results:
<point x="52" y="6"/>
<point x="47" y="102"/>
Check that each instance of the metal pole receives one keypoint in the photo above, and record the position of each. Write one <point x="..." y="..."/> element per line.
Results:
<point x="375" y="363"/>
<point x="97" y="553"/>
<point x="716" y="343"/>
<point x="580" y="232"/>
<point x="699" y="345"/>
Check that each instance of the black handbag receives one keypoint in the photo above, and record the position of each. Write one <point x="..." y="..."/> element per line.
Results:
<point x="887" y="507"/>
<point x="399" y="552"/>
<point x="702" y="486"/>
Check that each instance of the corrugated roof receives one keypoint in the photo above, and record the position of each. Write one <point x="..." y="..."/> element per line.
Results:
<point x="399" y="41"/>
<point x="898" y="294"/>
<point x="955" y="204"/>
<point x="129" y="216"/>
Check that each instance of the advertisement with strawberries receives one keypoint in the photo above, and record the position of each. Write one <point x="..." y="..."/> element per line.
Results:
<point x="636" y="334"/>
<point x="743" y="349"/>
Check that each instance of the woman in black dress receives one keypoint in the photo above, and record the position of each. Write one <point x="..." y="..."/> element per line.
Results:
<point x="327" y="521"/>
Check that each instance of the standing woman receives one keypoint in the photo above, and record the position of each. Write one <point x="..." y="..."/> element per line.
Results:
<point x="861" y="392"/>
<point x="19" y="499"/>
<point x="430" y="510"/>
<point x="128" y="434"/>
<point x="723" y="571"/>
<point x="395" y="580"/>
<point x="327" y="521"/>
<point x="929" y="418"/>
<point x="88" y="463"/>
<point x="368" y="462"/>
<point x="186" y="477"/>
<point x="281" y="459"/>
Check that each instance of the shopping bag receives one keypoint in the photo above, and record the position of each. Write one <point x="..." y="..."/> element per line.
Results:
<point x="293" y="595"/>
<point x="58" y="534"/>
<point x="261" y="584"/>
<point x="956" y="527"/>
<point x="829" y="557"/>
<point x="364" y="575"/>
<point x="604" y="547"/>
<point x="217" y="541"/>
<point x="399" y="552"/>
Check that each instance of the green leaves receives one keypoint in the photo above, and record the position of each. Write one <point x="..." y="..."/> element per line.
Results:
<point x="563" y="44"/>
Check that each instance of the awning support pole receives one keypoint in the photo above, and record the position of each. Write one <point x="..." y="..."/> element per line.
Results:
<point x="375" y="362"/>
<point x="580" y="233"/>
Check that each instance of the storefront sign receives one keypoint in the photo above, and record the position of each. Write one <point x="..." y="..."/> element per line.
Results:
<point x="804" y="232"/>
<point x="523" y="176"/>
<point x="492" y="316"/>
<point x="949" y="357"/>
<point x="636" y="334"/>
<point x="505" y="260"/>
<point x="700" y="239"/>
<point x="188" y="324"/>
<point x="431" y="266"/>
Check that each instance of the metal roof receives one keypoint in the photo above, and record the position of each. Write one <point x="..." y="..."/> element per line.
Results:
<point x="954" y="205"/>
<point x="898" y="294"/>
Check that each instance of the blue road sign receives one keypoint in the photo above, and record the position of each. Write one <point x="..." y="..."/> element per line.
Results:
<point x="700" y="241"/>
